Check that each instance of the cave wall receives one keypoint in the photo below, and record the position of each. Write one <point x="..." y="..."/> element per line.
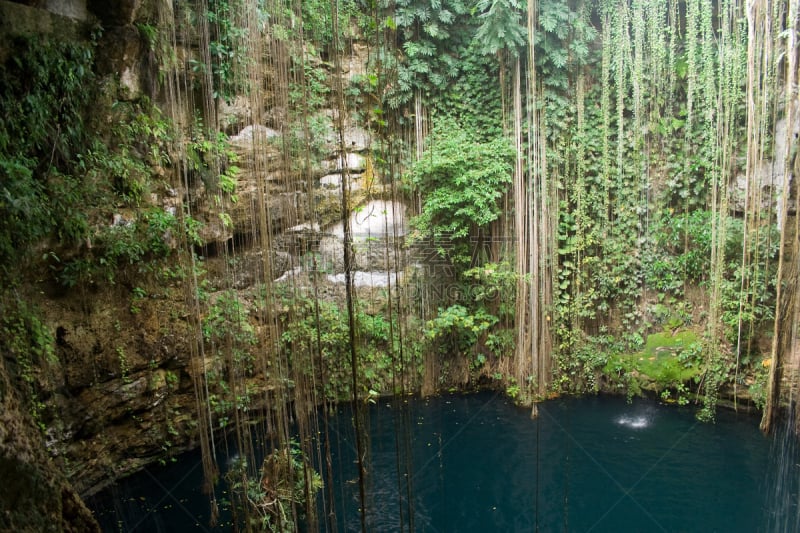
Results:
<point x="35" y="493"/>
<point x="35" y="496"/>
<point x="120" y="394"/>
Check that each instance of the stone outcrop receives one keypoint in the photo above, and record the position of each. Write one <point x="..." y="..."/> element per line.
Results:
<point x="35" y="496"/>
<point x="121" y="392"/>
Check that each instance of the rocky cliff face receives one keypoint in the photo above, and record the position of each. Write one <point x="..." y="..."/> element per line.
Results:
<point x="119" y="392"/>
<point x="122" y="393"/>
<point x="35" y="495"/>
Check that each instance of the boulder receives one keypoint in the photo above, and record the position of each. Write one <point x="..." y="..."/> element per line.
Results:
<point x="769" y="175"/>
<point x="355" y="163"/>
<point x="255" y="133"/>
<point x="357" y="139"/>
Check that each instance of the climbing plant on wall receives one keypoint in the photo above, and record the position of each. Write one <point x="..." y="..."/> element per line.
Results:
<point x="461" y="181"/>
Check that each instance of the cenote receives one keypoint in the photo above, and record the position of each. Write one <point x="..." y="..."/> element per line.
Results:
<point x="478" y="463"/>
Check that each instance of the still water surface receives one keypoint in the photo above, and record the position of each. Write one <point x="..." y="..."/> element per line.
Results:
<point x="478" y="463"/>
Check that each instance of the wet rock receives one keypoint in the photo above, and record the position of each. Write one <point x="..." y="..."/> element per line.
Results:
<point x="376" y="219"/>
<point x="123" y="218"/>
<point x="356" y="139"/>
<point x="769" y="174"/>
<point x="253" y="134"/>
<point x="355" y="64"/>
<point x="331" y="181"/>
<point x="235" y="112"/>
<point x="353" y="162"/>
<point x="120" y="54"/>
<point x="74" y="9"/>
<point x="299" y="239"/>
<point x="118" y="398"/>
<point x="19" y="19"/>
<point x="246" y="269"/>
<point x="369" y="279"/>
<point x="304" y="228"/>
<point x="368" y="255"/>
<point x="284" y="209"/>
<point x="213" y="228"/>
<point x="377" y="229"/>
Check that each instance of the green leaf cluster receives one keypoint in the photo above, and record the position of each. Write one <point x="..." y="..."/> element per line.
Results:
<point x="501" y="26"/>
<point x="314" y="332"/>
<point x="461" y="181"/>
<point x="46" y="88"/>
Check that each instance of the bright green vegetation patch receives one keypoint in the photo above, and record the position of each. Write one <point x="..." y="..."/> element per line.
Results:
<point x="667" y="357"/>
<point x="668" y="361"/>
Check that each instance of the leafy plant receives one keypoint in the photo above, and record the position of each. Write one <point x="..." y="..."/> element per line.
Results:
<point x="227" y="49"/>
<point x="29" y="349"/>
<point x="279" y="495"/>
<point x="456" y="329"/>
<point x="431" y="36"/>
<point x="211" y="159"/>
<point x="461" y="181"/>
<point x="46" y="87"/>
<point x="501" y="27"/>
<point x="316" y="332"/>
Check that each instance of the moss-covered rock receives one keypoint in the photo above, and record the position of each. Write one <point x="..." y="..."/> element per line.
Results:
<point x="667" y="363"/>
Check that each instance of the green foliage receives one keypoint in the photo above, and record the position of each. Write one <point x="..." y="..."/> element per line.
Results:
<point x="743" y="305"/>
<point x="493" y="284"/>
<point x="461" y="182"/>
<point x="501" y="27"/>
<point x="579" y="369"/>
<point x="227" y="48"/>
<point x="313" y="87"/>
<point x="210" y="158"/>
<point x="457" y="329"/>
<point x="431" y="38"/>
<point x="141" y="245"/>
<point x="473" y="98"/>
<point x="664" y="360"/>
<point x="476" y="325"/>
<point x="28" y="347"/>
<point x="317" y="20"/>
<point x="564" y="40"/>
<point x="274" y="499"/>
<point x="747" y="307"/>
<point x="668" y="362"/>
<point x="46" y="88"/>
<point x="301" y="325"/>
<point x="230" y="335"/>
<point x="63" y="175"/>
<point x="141" y="140"/>
<point x="316" y="143"/>
<point x="758" y="389"/>
<point x="680" y="251"/>
<point x="319" y="331"/>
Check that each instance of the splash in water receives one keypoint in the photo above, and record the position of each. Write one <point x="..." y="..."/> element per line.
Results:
<point x="633" y="422"/>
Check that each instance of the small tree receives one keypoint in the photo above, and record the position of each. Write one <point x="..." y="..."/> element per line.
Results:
<point x="461" y="181"/>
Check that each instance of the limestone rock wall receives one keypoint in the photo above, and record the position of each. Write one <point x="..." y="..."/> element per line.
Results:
<point x="35" y="495"/>
<point x="120" y="393"/>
